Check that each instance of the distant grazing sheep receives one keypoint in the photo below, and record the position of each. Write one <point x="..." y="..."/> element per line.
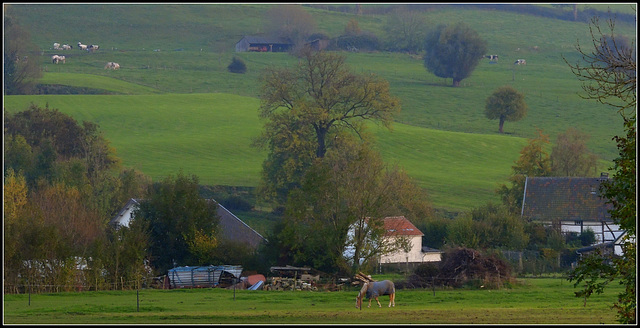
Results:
<point x="520" y="62"/>
<point x="82" y="46"/>
<point x="56" y="59"/>
<point x="93" y="47"/>
<point x="112" y="65"/>
<point x="66" y="47"/>
<point x="56" y="46"/>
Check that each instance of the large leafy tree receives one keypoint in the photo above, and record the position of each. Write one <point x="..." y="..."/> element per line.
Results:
<point x="453" y="51"/>
<point x="608" y="72"/>
<point x="182" y="224"/>
<point x="505" y="104"/>
<point x="350" y="189"/>
<point x="534" y="161"/>
<point x="306" y="108"/>
<point x="570" y="156"/>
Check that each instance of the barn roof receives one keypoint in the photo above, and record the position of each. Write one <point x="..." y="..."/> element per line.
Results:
<point x="265" y="40"/>
<point x="235" y="229"/>
<point x="564" y="198"/>
<point x="400" y="226"/>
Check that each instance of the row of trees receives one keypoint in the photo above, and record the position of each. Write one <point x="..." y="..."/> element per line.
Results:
<point x="64" y="183"/>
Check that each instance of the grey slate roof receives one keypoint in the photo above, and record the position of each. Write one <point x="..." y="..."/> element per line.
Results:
<point x="265" y="40"/>
<point x="564" y="198"/>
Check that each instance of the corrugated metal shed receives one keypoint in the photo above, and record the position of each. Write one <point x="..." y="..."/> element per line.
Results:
<point x="201" y="276"/>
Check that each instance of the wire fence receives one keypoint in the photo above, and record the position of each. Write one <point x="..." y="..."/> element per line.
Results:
<point x="40" y="288"/>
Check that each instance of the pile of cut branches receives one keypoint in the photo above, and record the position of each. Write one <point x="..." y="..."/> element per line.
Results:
<point x="462" y="266"/>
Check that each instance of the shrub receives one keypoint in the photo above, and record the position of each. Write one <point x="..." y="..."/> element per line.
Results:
<point x="237" y="66"/>
<point x="236" y="203"/>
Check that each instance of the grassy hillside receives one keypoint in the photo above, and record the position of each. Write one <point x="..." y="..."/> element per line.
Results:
<point x="181" y="51"/>
<point x="210" y="135"/>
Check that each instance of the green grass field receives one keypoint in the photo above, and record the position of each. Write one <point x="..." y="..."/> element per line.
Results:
<point x="213" y="134"/>
<point x="175" y="105"/>
<point x="531" y="301"/>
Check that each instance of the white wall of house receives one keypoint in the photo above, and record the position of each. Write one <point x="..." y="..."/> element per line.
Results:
<point x="604" y="232"/>
<point x="432" y="257"/>
<point x="414" y="255"/>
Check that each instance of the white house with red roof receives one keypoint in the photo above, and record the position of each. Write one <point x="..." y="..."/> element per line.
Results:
<point x="399" y="226"/>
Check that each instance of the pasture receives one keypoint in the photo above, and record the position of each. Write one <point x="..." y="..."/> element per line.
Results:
<point x="173" y="104"/>
<point x="213" y="135"/>
<point x="530" y="301"/>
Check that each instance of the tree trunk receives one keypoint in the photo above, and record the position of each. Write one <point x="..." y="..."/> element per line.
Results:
<point x="321" y="134"/>
<point x="501" y="124"/>
<point x="456" y="83"/>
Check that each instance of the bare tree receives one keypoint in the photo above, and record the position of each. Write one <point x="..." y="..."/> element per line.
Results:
<point x="20" y="73"/>
<point x="291" y="22"/>
<point x="406" y="30"/>
<point x="608" y="71"/>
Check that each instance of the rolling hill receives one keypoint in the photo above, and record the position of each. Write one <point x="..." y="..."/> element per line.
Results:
<point x="173" y="104"/>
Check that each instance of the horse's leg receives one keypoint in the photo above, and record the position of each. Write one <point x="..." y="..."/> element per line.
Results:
<point x="369" y="302"/>
<point x="392" y="300"/>
<point x="377" y="300"/>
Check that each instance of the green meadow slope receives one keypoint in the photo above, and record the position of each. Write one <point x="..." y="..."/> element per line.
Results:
<point x="173" y="104"/>
<point x="210" y="135"/>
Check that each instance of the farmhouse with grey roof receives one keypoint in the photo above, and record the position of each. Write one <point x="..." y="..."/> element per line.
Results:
<point x="572" y="203"/>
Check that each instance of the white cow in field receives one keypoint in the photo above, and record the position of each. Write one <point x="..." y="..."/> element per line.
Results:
<point x="82" y="46"/>
<point x="112" y="65"/>
<point x="56" y="59"/>
<point x="520" y="62"/>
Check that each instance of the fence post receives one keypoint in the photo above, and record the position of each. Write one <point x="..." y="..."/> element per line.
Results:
<point x="433" y="285"/>
<point x="138" y="299"/>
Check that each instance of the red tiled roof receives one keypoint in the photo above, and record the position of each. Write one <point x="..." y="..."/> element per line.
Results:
<point x="399" y="225"/>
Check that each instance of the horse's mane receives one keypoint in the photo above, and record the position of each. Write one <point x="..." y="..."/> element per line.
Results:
<point x="363" y="290"/>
